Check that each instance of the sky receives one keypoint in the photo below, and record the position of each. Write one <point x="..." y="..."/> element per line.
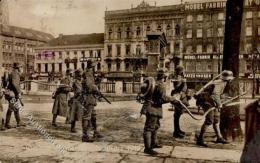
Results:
<point x="69" y="16"/>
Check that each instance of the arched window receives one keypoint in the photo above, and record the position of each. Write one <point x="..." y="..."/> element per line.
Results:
<point x="138" y="31"/>
<point x="138" y="49"/>
<point x="177" y="30"/>
<point x="119" y="33"/>
<point x="110" y="32"/>
<point x="159" y="28"/>
<point x="128" y="32"/>
<point x="168" y="30"/>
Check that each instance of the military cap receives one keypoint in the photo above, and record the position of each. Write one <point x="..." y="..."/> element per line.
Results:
<point x="68" y="71"/>
<point x="78" y="73"/>
<point x="161" y="73"/>
<point x="227" y="75"/>
<point x="179" y="68"/>
<point x="16" y="65"/>
<point x="91" y="64"/>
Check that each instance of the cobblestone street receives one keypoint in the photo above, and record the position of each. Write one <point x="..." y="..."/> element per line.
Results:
<point x="122" y="129"/>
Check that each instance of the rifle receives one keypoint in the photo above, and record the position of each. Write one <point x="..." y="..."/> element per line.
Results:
<point x="99" y="95"/>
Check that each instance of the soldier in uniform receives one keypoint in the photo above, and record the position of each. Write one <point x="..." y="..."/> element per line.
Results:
<point x="152" y="108"/>
<point x="60" y="106"/>
<point x="75" y="103"/>
<point x="211" y="97"/>
<point x="179" y="91"/>
<point x="14" y="96"/>
<point x="89" y="102"/>
<point x="2" y="127"/>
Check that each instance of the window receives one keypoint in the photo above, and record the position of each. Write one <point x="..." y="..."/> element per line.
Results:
<point x="189" y="33"/>
<point x="99" y="53"/>
<point x="67" y="54"/>
<point x="148" y="28"/>
<point x="220" y="32"/>
<point x="259" y="14"/>
<point x="248" y="48"/>
<point x="199" y="49"/>
<point x="109" y="50"/>
<point x="259" y="31"/>
<point x="83" y="54"/>
<point x="119" y="33"/>
<point x="46" y="67"/>
<point x="209" y="48"/>
<point x="109" y="67"/>
<point x="127" y="67"/>
<point x="220" y="48"/>
<point x="177" y="30"/>
<point x="189" y="49"/>
<point x="138" y="49"/>
<point x="177" y="47"/>
<point x="67" y="65"/>
<point x="118" y="66"/>
<point x="99" y="66"/>
<point x="168" y="30"/>
<point x="91" y="54"/>
<point x="53" y="67"/>
<point x="248" y="31"/>
<point x="189" y="18"/>
<point x="138" y="31"/>
<point x="221" y="16"/>
<point x="200" y="18"/>
<point x="60" y="67"/>
<point x="128" y="49"/>
<point x="118" y="50"/>
<point x="128" y="33"/>
<point x="110" y="33"/>
<point x="75" y="65"/>
<point x="39" y="67"/>
<point x="209" y="32"/>
<point x="159" y="28"/>
<point x="199" y="33"/>
<point x="249" y="14"/>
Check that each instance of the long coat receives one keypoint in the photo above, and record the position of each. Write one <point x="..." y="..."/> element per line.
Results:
<point x="61" y="106"/>
<point x="76" y="103"/>
<point x="89" y="88"/>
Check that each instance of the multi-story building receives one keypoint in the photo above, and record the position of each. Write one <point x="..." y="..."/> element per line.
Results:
<point x="68" y="51"/>
<point x="126" y="38"/>
<point x="204" y="25"/>
<point x="195" y="35"/>
<point x="16" y="43"/>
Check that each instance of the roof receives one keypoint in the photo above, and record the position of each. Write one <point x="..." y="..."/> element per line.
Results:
<point x="25" y="33"/>
<point x="78" y="39"/>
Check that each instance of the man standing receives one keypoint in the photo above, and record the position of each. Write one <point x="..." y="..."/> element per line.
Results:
<point x="75" y="103"/>
<point x="179" y="91"/>
<point x="61" y="106"/>
<point x="2" y="127"/>
<point x="14" y="96"/>
<point x="153" y="111"/>
<point x="89" y="102"/>
<point x="211" y="97"/>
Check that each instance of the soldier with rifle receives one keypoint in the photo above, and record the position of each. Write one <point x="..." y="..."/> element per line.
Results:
<point x="153" y="95"/>
<point x="61" y="96"/>
<point x="2" y="127"/>
<point x="212" y="96"/>
<point x="90" y="93"/>
<point x="13" y="95"/>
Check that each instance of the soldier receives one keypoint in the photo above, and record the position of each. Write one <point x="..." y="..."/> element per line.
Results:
<point x="89" y="103"/>
<point x="14" y="96"/>
<point x="179" y="91"/>
<point x="2" y="127"/>
<point x="76" y="106"/>
<point x="152" y="108"/>
<point x="60" y="106"/>
<point x="211" y="97"/>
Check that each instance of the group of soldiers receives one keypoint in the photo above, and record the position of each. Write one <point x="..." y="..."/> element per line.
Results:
<point x="76" y="98"/>
<point x="153" y="96"/>
<point x="11" y="90"/>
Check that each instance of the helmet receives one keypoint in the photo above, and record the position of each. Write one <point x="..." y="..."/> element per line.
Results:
<point x="78" y="73"/>
<point x="227" y="75"/>
<point x="147" y="87"/>
<point x="179" y="69"/>
<point x="161" y="73"/>
<point x="91" y="64"/>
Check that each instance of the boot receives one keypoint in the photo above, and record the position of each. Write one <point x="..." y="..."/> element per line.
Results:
<point x="73" y="125"/>
<point x="54" y="120"/>
<point x="154" y="141"/>
<point x="2" y="128"/>
<point x="200" y="139"/>
<point x="220" y="139"/>
<point x="177" y="131"/>
<point x="85" y="130"/>
<point x="94" y="126"/>
<point x="147" y="143"/>
<point x="18" y="119"/>
<point x="7" y="119"/>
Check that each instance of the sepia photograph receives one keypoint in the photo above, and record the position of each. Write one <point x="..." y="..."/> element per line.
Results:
<point x="130" y="81"/>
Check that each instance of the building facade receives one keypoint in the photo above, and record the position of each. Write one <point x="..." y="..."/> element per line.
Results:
<point x="195" y="35"/>
<point x="126" y="38"/>
<point x="68" y="52"/>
